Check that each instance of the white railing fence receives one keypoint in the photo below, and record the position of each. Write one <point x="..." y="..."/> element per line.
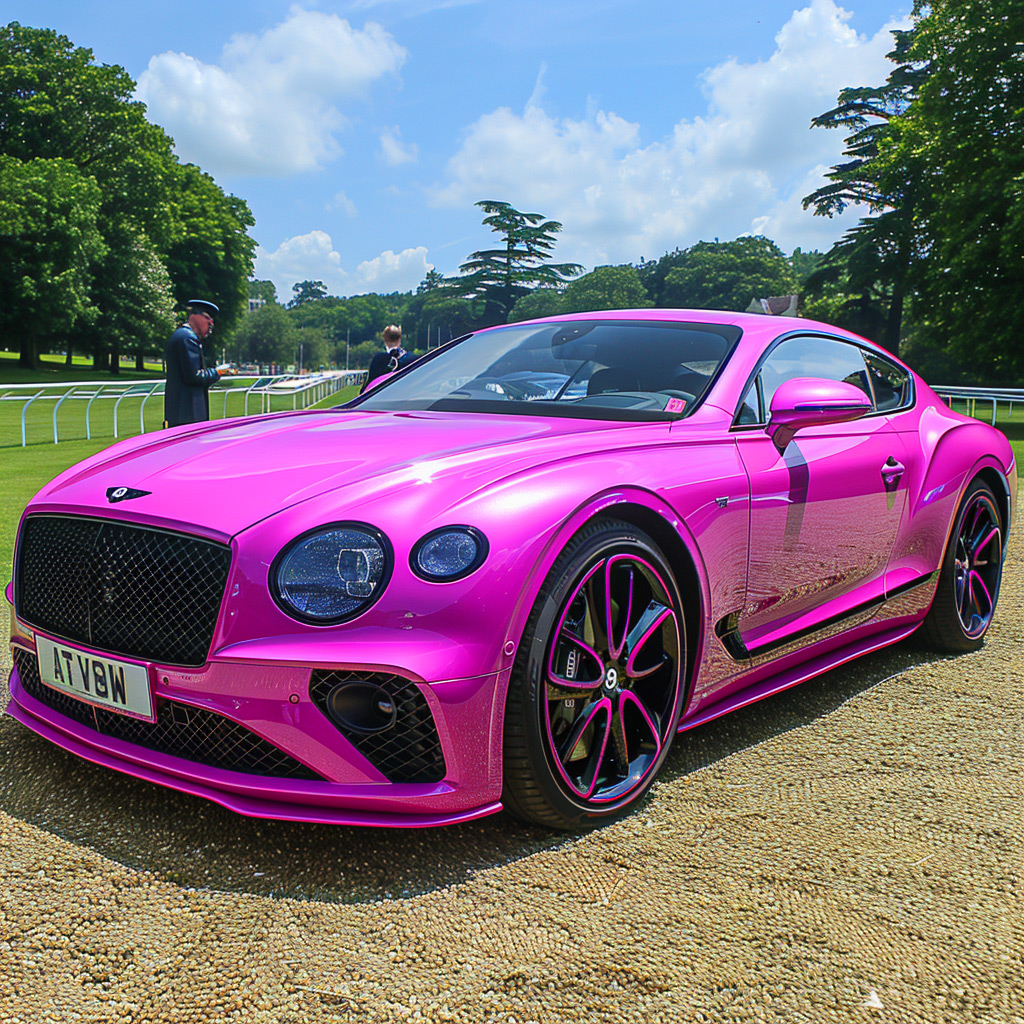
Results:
<point x="974" y="395"/>
<point x="305" y="390"/>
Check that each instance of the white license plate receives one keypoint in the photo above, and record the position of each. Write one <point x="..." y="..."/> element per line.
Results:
<point x="106" y="682"/>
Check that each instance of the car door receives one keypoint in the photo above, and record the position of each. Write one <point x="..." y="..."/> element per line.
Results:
<point x="824" y="512"/>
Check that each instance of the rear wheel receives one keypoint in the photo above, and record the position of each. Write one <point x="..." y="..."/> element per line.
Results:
<point x="597" y="685"/>
<point x="971" y="571"/>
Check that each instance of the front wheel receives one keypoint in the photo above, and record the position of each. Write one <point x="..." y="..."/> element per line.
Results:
<point x="597" y="685"/>
<point x="972" y="567"/>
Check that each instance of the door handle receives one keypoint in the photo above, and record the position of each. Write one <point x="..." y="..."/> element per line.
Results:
<point x="892" y="473"/>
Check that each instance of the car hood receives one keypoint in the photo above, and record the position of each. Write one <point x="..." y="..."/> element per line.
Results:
<point x="227" y="476"/>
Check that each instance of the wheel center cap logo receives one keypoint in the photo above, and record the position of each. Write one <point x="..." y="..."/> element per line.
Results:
<point x="611" y="679"/>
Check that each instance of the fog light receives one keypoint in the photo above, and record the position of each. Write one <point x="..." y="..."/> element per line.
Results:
<point x="362" y="707"/>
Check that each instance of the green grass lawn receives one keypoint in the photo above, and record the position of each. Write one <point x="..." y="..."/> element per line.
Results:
<point x="24" y="470"/>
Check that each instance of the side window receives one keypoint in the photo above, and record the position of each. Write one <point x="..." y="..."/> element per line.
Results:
<point x="891" y="383"/>
<point x="813" y="357"/>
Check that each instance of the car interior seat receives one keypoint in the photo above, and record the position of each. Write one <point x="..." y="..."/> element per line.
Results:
<point x="689" y="381"/>
<point x="613" y="378"/>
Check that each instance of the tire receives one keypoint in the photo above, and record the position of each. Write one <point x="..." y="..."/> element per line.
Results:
<point x="972" y="567"/>
<point x="589" y="718"/>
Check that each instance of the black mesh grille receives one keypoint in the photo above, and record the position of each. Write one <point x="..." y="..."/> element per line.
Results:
<point x="410" y="751"/>
<point x="121" y="588"/>
<point x="183" y="731"/>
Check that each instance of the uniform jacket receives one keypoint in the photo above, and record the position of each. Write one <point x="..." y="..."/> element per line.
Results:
<point x="386" y="362"/>
<point x="186" y="398"/>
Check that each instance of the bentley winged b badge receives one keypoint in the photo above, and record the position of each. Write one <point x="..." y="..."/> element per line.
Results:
<point x="115" y="494"/>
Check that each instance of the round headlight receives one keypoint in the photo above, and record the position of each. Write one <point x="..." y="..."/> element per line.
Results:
<point x="449" y="553"/>
<point x="332" y="573"/>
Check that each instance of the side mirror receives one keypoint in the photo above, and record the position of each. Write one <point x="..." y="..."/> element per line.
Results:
<point x="811" y="401"/>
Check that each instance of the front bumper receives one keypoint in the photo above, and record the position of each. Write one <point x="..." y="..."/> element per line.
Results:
<point x="272" y="703"/>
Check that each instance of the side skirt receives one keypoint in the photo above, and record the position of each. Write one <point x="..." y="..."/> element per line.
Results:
<point x="799" y="674"/>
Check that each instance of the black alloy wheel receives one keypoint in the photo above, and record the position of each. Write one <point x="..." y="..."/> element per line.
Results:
<point x="972" y="568"/>
<point x="597" y="687"/>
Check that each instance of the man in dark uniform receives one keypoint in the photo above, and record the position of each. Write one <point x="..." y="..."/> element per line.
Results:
<point x="393" y="358"/>
<point x="186" y="394"/>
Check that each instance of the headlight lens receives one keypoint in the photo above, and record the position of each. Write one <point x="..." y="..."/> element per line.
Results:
<point x="333" y="573"/>
<point x="449" y="553"/>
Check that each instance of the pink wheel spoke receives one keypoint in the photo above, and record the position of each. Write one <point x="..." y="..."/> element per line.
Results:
<point x="978" y="511"/>
<point x="558" y="690"/>
<point x="592" y="715"/>
<point x="975" y="578"/>
<point x="584" y="662"/>
<point x="650" y="621"/>
<point x="978" y="566"/>
<point x="981" y="545"/>
<point x="650" y="722"/>
<point x="615" y="649"/>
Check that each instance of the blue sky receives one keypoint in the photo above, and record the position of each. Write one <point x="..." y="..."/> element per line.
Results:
<point x="362" y="133"/>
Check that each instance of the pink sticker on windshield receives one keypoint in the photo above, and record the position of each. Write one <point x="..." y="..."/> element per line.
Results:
<point x="675" y="405"/>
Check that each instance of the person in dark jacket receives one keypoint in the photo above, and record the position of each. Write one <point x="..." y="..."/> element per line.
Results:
<point x="393" y="358"/>
<point x="186" y="393"/>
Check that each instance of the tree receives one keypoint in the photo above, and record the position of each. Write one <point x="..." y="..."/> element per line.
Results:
<point x="500" y="276"/>
<point x="133" y="278"/>
<point x="313" y="348"/>
<point x="804" y="264"/>
<point x="266" y="335"/>
<point x="49" y="241"/>
<point x="57" y="103"/>
<point x="606" y="288"/>
<point x="211" y="254"/>
<point x="307" y="291"/>
<point x="727" y="275"/>
<point x="264" y="290"/>
<point x="882" y="174"/>
<point x="652" y="274"/>
<point x="540" y="302"/>
<point x="966" y="131"/>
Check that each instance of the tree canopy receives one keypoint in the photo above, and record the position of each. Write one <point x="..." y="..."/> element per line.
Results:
<point x="500" y="276"/>
<point x="49" y="242"/>
<point x="936" y="158"/>
<point x="167" y="229"/>
<point x="727" y="275"/>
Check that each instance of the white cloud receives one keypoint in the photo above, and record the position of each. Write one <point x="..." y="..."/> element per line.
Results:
<point x="312" y="257"/>
<point x="742" y="167"/>
<point x="340" y="201"/>
<point x="391" y="272"/>
<point x="393" y="151"/>
<point x="269" y="107"/>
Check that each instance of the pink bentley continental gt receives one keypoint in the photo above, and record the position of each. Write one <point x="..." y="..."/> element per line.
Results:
<point x="507" y="575"/>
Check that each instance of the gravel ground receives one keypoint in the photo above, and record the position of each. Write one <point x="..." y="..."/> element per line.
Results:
<point x="848" y="851"/>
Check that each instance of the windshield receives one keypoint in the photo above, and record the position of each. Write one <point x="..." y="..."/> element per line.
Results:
<point x="597" y="369"/>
